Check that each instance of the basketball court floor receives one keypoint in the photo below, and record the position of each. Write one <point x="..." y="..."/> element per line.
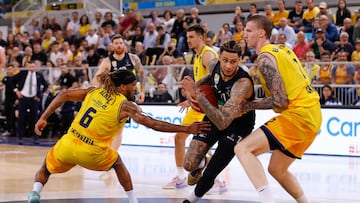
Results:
<point x="325" y="179"/>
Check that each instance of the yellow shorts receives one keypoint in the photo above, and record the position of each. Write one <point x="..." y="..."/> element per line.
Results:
<point x="192" y="116"/>
<point x="295" y="129"/>
<point x="70" y="151"/>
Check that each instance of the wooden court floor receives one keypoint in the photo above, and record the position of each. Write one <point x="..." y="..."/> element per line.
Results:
<point x="329" y="179"/>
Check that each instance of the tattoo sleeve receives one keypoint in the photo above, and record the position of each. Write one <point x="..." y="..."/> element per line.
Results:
<point x="139" y="70"/>
<point x="223" y="117"/>
<point x="278" y="100"/>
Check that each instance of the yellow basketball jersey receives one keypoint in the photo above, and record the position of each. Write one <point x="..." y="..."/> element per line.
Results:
<point x="97" y="121"/>
<point x="199" y="68"/>
<point x="296" y="81"/>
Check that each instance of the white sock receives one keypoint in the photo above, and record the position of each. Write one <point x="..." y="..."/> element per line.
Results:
<point x="193" y="198"/>
<point x="180" y="172"/>
<point x="265" y="194"/>
<point x="202" y="163"/>
<point x="303" y="199"/>
<point x="37" y="187"/>
<point x="131" y="196"/>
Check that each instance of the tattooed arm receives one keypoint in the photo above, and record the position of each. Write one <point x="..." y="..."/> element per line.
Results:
<point x="140" y="72"/>
<point x="278" y="100"/>
<point x="222" y="118"/>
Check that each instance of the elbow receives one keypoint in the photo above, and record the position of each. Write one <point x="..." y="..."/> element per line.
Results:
<point x="281" y="104"/>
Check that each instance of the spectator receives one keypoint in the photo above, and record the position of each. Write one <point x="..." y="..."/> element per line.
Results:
<point x="70" y="37"/>
<point x="344" y="45"/>
<point x="349" y="29"/>
<point x="19" y="27"/>
<point x="103" y="41"/>
<point x="239" y="32"/>
<point x="323" y="75"/>
<point x="168" y="21"/>
<point x="15" y="56"/>
<point x="269" y="12"/>
<point x="59" y="37"/>
<point x="66" y="54"/>
<point x="39" y="54"/>
<point x="34" y="26"/>
<point x="283" y="40"/>
<point x="48" y="39"/>
<point x="209" y="42"/>
<point x="287" y="31"/>
<point x="92" y="57"/>
<point x="329" y="28"/>
<point x="45" y="25"/>
<point x="128" y="23"/>
<point x="84" y="26"/>
<point x="27" y="56"/>
<point x="252" y="10"/>
<point x="161" y="94"/>
<point x="355" y="56"/>
<point x="322" y="43"/>
<point x="295" y="16"/>
<point x="223" y="35"/>
<point x="9" y="101"/>
<point x="54" y="26"/>
<point x="245" y="53"/>
<point x="74" y="23"/>
<point x="150" y="36"/>
<point x="3" y="42"/>
<point x="342" y="12"/>
<point x="92" y="37"/>
<point x="325" y="11"/>
<point x="54" y="52"/>
<point x="327" y="96"/>
<point x="141" y="53"/>
<point x="238" y="16"/>
<point x="301" y="46"/>
<point x="280" y="14"/>
<point x="154" y="19"/>
<point x="343" y="74"/>
<point x="35" y="39"/>
<point x="309" y="15"/>
<point x="356" y="33"/>
<point x="108" y="20"/>
<point x="194" y="18"/>
<point x="96" y="23"/>
<point x="139" y="20"/>
<point x="312" y="67"/>
<point x="178" y="24"/>
<point x="208" y="32"/>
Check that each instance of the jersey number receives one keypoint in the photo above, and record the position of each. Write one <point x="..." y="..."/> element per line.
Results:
<point x="87" y="118"/>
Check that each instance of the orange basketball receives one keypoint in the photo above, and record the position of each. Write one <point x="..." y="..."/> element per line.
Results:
<point x="209" y="93"/>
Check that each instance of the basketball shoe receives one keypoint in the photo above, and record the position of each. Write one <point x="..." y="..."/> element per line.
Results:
<point x="33" y="197"/>
<point x="195" y="175"/>
<point x="176" y="183"/>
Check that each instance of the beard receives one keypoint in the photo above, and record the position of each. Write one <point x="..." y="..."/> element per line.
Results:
<point x="118" y="51"/>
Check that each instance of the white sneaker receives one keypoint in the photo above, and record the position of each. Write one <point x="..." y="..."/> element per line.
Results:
<point x="218" y="188"/>
<point x="176" y="183"/>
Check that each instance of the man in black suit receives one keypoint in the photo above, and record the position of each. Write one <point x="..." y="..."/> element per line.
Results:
<point x="29" y="86"/>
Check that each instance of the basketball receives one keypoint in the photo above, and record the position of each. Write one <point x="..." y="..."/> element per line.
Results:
<point x="210" y="95"/>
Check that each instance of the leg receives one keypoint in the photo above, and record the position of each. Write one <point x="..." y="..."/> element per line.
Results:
<point x="180" y="148"/>
<point x="125" y="179"/>
<point x="278" y="168"/>
<point x="196" y="152"/>
<point x="116" y="143"/>
<point x="41" y="178"/>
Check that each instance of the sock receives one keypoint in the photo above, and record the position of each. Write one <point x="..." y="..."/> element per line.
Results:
<point x="202" y="163"/>
<point x="193" y="198"/>
<point x="303" y="199"/>
<point x="265" y="194"/>
<point x="131" y="196"/>
<point x="181" y="173"/>
<point x="38" y="187"/>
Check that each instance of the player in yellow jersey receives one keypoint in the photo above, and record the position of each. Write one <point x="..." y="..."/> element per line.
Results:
<point x="195" y="39"/>
<point x="288" y="92"/>
<point x="87" y="143"/>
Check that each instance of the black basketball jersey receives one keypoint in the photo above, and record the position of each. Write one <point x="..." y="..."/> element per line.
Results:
<point x="245" y="123"/>
<point x="124" y="64"/>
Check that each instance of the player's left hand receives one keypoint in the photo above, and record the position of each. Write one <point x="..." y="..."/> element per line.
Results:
<point x="39" y="126"/>
<point x="199" y="127"/>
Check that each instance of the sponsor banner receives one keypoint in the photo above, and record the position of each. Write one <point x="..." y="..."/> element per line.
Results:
<point x="339" y="133"/>
<point x="158" y="4"/>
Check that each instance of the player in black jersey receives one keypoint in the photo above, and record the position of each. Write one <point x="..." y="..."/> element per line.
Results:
<point x="233" y="86"/>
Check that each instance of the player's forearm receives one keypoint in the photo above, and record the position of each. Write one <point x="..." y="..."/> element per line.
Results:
<point x="219" y="118"/>
<point x="168" y="127"/>
<point x="56" y="103"/>
<point x="266" y="103"/>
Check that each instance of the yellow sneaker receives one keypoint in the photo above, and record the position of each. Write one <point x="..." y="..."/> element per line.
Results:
<point x="195" y="175"/>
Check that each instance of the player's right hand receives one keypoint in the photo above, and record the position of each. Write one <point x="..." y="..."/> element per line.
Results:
<point x="39" y="126"/>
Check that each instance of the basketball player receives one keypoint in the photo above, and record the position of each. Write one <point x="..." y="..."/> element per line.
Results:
<point x="87" y="143"/>
<point x="121" y="59"/>
<point x="232" y="86"/>
<point x="288" y="92"/>
<point x="204" y="54"/>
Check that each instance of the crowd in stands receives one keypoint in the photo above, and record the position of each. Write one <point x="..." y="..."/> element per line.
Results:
<point x="313" y="32"/>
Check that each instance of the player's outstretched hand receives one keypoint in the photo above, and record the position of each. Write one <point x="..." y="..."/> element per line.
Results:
<point x="199" y="127"/>
<point x="185" y="105"/>
<point x="39" y="126"/>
